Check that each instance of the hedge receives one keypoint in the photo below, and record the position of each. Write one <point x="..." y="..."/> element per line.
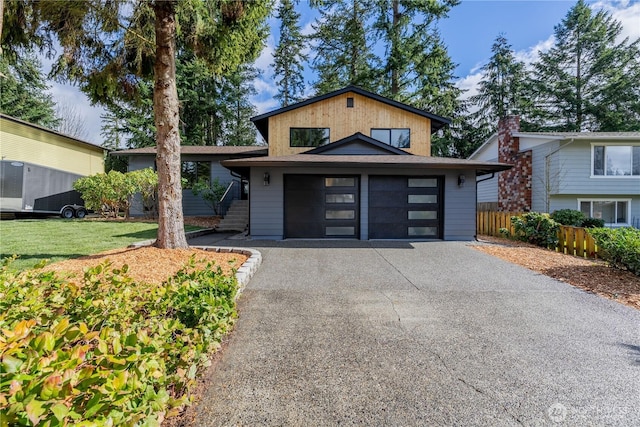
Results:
<point x="109" y="351"/>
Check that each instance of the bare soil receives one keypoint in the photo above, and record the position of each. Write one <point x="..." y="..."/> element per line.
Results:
<point x="591" y="275"/>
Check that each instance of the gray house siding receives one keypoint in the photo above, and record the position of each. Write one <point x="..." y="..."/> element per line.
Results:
<point x="191" y="205"/>
<point x="575" y="159"/>
<point x="459" y="202"/>
<point x="544" y="184"/>
<point x="571" y="202"/>
<point x="488" y="190"/>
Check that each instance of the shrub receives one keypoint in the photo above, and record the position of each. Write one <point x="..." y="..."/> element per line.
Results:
<point x="211" y="192"/>
<point x="619" y="246"/>
<point x="108" y="352"/>
<point x="593" y="223"/>
<point x="568" y="217"/>
<point x="536" y="228"/>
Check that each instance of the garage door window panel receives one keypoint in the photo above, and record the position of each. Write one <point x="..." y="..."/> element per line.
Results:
<point x="422" y="198"/>
<point x="340" y="198"/>
<point x="423" y="231"/>
<point x="340" y="214"/>
<point x="418" y="215"/>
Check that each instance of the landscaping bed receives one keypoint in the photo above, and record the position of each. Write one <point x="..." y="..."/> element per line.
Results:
<point x="591" y="275"/>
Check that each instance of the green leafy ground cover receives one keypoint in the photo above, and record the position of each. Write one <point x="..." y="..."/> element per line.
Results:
<point x="35" y="240"/>
<point x="109" y="351"/>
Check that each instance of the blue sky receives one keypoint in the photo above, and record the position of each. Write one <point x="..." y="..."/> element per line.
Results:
<point x="468" y="32"/>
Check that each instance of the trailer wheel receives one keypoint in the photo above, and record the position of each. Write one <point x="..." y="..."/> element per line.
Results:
<point x="67" y="212"/>
<point x="81" y="213"/>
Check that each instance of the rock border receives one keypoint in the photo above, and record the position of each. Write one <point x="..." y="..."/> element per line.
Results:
<point x="243" y="274"/>
<point x="246" y="270"/>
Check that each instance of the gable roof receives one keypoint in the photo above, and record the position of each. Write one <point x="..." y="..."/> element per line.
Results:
<point x="358" y="139"/>
<point x="545" y="137"/>
<point x="262" y="121"/>
<point x="254" y="150"/>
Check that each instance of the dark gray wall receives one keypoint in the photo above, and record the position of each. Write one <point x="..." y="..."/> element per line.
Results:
<point x="267" y="202"/>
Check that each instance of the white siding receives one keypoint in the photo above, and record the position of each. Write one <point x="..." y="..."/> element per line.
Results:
<point x="488" y="189"/>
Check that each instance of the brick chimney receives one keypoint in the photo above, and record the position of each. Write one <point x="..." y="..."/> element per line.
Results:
<point x="514" y="185"/>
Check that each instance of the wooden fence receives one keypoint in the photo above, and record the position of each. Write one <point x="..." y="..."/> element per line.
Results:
<point x="571" y="240"/>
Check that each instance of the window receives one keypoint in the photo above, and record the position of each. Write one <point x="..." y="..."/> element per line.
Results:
<point x="192" y="172"/>
<point x="613" y="212"/>
<point x="616" y="160"/>
<point x="399" y="138"/>
<point x="309" y="137"/>
<point x="340" y="182"/>
<point x="349" y="102"/>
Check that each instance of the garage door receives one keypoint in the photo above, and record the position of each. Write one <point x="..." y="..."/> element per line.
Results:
<point x="318" y="206"/>
<point x="405" y="207"/>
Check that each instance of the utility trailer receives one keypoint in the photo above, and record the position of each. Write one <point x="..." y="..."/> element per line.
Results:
<point x="27" y="189"/>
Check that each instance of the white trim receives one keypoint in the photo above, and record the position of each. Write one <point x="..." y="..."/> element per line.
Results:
<point x="610" y="224"/>
<point x="605" y="144"/>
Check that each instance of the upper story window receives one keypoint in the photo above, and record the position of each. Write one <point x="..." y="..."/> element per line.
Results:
<point x="399" y="138"/>
<point x="309" y="137"/>
<point x="616" y="160"/>
<point x="192" y="172"/>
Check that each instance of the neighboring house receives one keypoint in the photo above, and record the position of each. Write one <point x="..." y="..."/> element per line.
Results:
<point x="39" y="166"/>
<point x="595" y="172"/>
<point x="353" y="164"/>
<point x="198" y="162"/>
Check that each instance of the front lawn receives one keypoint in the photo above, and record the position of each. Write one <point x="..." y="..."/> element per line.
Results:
<point x="34" y="240"/>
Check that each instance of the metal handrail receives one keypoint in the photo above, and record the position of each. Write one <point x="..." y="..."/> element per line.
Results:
<point x="229" y="187"/>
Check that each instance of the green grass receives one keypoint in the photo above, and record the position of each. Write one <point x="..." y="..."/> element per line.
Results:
<point x="34" y="240"/>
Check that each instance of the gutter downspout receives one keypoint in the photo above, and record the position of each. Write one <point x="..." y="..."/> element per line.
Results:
<point x="493" y="174"/>
<point x="547" y="178"/>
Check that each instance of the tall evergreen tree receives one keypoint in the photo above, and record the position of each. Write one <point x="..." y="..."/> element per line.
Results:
<point x="108" y="46"/>
<point x="501" y="90"/>
<point x="343" y="51"/>
<point x="24" y="91"/>
<point x="289" y="56"/>
<point x="589" y="80"/>
<point x="238" y="88"/>
<point x="406" y="29"/>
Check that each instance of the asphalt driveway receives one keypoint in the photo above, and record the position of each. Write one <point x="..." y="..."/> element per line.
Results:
<point x="433" y="333"/>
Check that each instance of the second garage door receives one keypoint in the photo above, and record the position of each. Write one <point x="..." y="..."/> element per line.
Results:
<point x="405" y="207"/>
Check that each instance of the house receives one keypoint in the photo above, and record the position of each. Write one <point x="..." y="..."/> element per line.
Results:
<point x="353" y="164"/>
<point x="38" y="167"/>
<point x="197" y="162"/>
<point x="595" y="172"/>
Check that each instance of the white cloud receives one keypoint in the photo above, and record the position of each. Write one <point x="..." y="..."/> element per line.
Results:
<point x="626" y="12"/>
<point x="469" y="84"/>
<point x="64" y="94"/>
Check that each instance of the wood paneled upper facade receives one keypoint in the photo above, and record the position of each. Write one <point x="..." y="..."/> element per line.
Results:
<point x="340" y="114"/>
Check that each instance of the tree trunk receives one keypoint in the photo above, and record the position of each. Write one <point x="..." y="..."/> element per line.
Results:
<point x="167" y="120"/>
<point x="395" y="84"/>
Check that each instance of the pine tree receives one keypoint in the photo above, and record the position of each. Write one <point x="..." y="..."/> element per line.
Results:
<point x="589" y="80"/>
<point x="24" y="91"/>
<point x="343" y="51"/>
<point x="501" y="90"/>
<point x="108" y="46"/>
<point x="238" y="88"/>
<point x="289" y="56"/>
<point x="408" y="33"/>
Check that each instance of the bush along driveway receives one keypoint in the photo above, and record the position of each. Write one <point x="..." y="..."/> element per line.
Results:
<point x="434" y="333"/>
